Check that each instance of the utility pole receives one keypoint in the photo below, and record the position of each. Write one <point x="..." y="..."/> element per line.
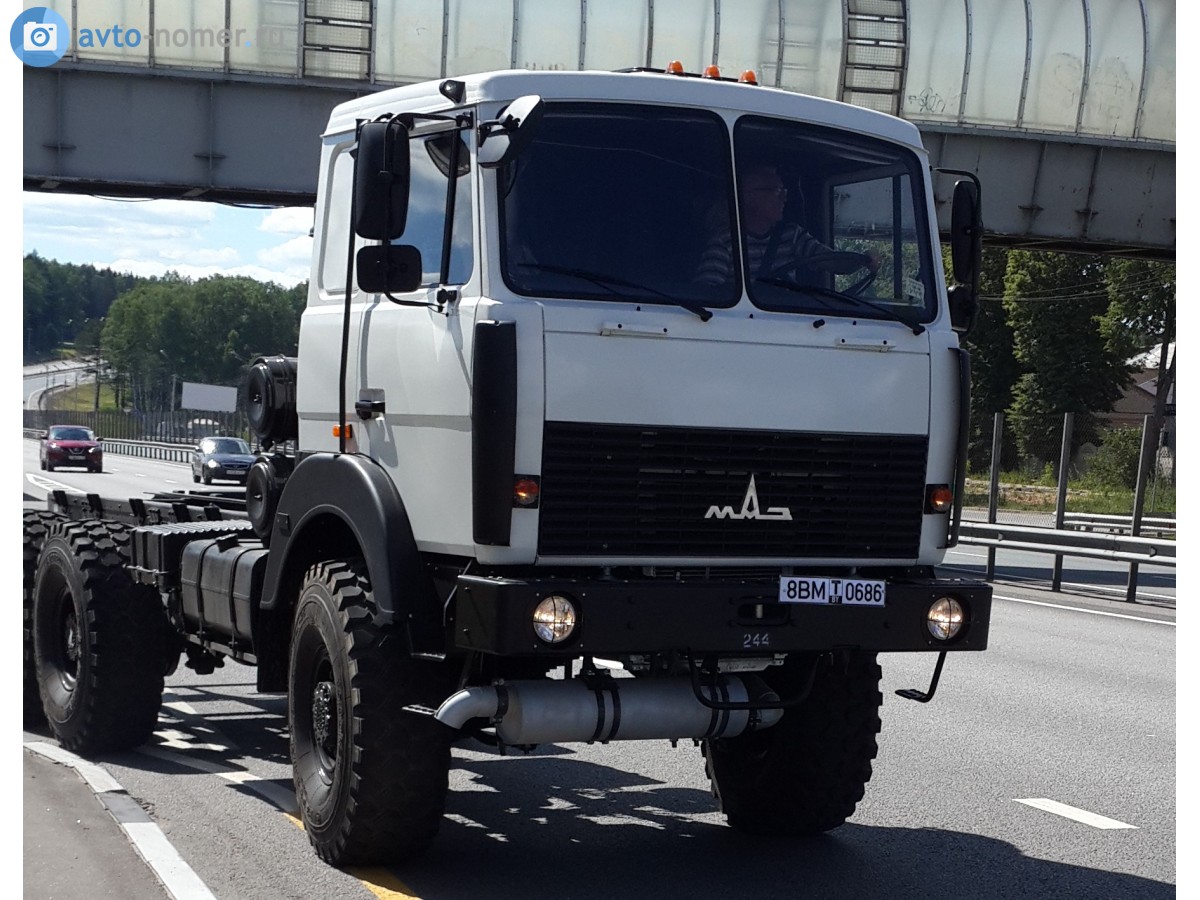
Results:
<point x="99" y="365"/>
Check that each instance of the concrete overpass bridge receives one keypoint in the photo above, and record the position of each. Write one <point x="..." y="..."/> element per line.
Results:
<point x="1064" y="108"/>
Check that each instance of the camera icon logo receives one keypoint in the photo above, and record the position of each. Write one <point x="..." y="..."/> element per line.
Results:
<point x="41" y="36"/>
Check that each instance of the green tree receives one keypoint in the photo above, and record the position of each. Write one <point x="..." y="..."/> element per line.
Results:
<point x="1141" y="316"/>
<point x="1054" y="303"/>
<point x="65" y="303"/>
<point x="208" y="331"/>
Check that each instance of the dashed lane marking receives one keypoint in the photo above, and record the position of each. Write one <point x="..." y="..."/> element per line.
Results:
<point x="1070" y="812"/>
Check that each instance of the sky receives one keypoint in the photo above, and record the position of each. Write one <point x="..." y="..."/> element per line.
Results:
<point x="152" y="237"/>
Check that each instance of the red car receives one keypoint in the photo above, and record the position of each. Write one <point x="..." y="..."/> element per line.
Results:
<point x="71" y="445"/>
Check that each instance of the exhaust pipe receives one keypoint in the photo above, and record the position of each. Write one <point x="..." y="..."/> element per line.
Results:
<point x="612" y="709"/>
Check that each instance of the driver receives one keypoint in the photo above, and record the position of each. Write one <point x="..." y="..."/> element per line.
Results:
<point x="770" y="244"/>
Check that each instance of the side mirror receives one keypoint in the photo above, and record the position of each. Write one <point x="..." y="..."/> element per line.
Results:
<point x="388" y="269"/>
<point x="381" y="178"/>
<point x="966" y="233"/>
<point x="964" y="305"/>
<point x="504" y="139"/>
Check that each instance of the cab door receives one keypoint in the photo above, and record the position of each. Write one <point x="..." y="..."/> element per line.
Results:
<point x="411" y="378"/>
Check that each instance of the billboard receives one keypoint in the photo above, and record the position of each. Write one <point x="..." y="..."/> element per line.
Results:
<point x="215" y="397"/>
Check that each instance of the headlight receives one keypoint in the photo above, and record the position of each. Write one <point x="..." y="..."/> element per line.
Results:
<point x="945" y="618"/>
<point x="554" y="619"/>
<point x="212" y="464"/>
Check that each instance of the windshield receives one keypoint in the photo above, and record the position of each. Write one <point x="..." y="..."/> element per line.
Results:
<point x="638" y="204"/>
<point x="619" y="202"/>
<point x="227" y="445"/>
<point x="70" y="434"/>
<point x="830" y="223"/>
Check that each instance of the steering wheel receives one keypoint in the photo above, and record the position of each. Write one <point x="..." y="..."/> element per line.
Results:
<point x="835" y="262"/>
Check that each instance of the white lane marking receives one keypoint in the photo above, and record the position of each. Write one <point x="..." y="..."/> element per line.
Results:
<point x="1091" y="612"/>
<point x="281" y="798"/>
<point x="1070" y="812"/>
<point x="179" y="879"/>
<point x="46" y="484"/>
<point x="178" y="705"/>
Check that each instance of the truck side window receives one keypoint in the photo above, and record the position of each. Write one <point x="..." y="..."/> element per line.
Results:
<point x="877" y="215"/>
<point x="336" y="231"/>
<point x="429" y="155"/>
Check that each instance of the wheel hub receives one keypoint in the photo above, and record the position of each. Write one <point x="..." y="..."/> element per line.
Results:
<point x="324" y="717"/>
<point x="71" y="646"/>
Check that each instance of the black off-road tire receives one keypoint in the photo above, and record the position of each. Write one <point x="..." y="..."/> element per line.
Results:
<point x="99" y="640"/>
<point x="371" y="777"/>
<point x="35" y="525"/>
<point x="805" y="774"/>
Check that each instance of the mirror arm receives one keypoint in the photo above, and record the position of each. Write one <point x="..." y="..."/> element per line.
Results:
<point x="963" y="172"/>
<point x="451" y="197"/>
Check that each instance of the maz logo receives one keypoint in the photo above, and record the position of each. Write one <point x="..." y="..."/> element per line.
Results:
<point x="750" y="509"/>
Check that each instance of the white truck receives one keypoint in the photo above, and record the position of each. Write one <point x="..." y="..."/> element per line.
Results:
<point x="573" y="451"/>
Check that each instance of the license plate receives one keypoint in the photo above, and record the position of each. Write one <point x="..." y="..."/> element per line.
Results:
<point x="833" y="591"/>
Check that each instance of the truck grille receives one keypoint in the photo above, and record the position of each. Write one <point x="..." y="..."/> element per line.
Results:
<point x="630" y="490"/>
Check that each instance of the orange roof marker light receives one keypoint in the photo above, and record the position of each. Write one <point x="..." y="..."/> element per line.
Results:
<point x="712" y="72"/>
<point x="748" y="77"/>
<point x="674" y="67"/>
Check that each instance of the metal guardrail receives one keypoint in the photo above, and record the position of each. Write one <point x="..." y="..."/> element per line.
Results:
<point x="1124" y="524"/>
<point x="148" y="449"/>
<point x="1061" y="542"/>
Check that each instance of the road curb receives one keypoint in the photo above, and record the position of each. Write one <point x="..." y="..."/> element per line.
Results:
<point x="176" y="876"/>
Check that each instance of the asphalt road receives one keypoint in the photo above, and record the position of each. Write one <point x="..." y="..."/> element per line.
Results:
<point x="1044" y="767"/>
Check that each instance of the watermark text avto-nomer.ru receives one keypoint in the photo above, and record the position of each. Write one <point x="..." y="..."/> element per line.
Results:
<point x="270" y="36"/>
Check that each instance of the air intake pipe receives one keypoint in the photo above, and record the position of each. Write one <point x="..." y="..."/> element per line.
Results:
<point x="611" y="709"/>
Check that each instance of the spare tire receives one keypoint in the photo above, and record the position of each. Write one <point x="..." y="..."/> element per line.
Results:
<point x="271" y="399"/>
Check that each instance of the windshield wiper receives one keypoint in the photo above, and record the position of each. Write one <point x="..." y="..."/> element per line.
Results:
<point x="861" y="302"/>
<point x="608" y="281"/>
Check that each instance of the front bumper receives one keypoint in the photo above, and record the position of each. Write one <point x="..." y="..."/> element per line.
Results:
<point x="227" y="474"/>
<point x="494" y="615"/>
<point x="68" y="458"/>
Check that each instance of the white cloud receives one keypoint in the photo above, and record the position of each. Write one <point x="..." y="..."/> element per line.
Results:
<point x="288" y="220"/>
<point x="292" y="256"/>
<point x="217" y="256"/>
<point x="154" y="269"/>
